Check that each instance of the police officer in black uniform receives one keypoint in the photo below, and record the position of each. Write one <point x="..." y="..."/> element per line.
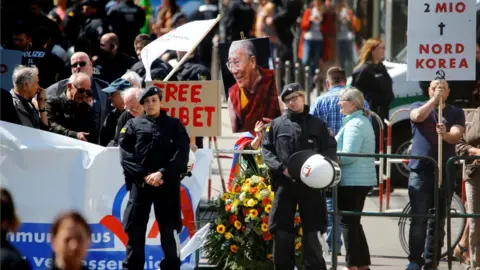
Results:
<point x="154" y="152"/>
<point x="292" y="132"/>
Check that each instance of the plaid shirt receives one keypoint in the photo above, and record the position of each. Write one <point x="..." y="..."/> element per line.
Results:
<point x="326" y="108"/>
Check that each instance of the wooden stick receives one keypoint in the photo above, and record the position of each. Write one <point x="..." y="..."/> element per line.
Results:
<point x="440" y="140"/>
<point x="186" y="56"/>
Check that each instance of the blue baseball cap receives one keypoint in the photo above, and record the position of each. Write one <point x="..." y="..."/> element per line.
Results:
<point x="117" y="85"/>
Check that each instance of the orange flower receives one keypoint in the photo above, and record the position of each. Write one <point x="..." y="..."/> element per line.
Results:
<point x="232" y="219"/>
<point x="234" y="248"/>
<point x="253" y="190"/>
<point x="228" y="207"/>
<point x="270" y="257"/>
<point x="267" y="236"/>
<point x="237" y="188"/>
<point x="266" y="201"/>
<point x="296" y="220"/>
<point x="265" y="219"/>
<point x="221" y="229"/>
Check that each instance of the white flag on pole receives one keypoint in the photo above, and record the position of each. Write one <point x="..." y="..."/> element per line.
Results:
<point x="183" y="38"/>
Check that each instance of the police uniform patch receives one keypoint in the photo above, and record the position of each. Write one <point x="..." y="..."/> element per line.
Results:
<point x="71" y="14"/>
<point x="123" y="130"/>
<point x="268" y="129"/>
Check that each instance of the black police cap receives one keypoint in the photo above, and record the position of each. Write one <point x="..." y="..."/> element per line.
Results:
<point x="290" y="89"/>
<point x="150" y="91"/>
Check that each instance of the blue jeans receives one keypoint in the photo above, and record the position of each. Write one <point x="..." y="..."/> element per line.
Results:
<point x="422" y="230"/>
<point x="312" y="52"/>
<point x="329" y="228"/>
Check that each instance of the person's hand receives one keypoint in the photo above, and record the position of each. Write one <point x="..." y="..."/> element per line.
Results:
<point x="82" y="136"/>
<point x="269" y="20"/>
<point x="438" y="94"/>
<point x="154" y="179"/>
<point x="41" y="98"/>
<point x="441" y="128"/>
<point x="474" y="152"/>
<point x="259" y="128"/>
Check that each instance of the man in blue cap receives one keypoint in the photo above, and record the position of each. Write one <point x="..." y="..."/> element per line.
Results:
<point x="154" y="152"/>
<point x="107" y="130"/>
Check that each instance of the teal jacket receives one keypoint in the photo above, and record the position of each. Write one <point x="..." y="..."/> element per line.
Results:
<point x="357" y="136"/>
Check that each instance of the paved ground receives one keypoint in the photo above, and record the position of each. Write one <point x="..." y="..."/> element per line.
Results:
<point x="382" y="233"/>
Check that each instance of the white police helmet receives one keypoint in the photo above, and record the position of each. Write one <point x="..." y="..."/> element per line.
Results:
<point x="313" y="169"/>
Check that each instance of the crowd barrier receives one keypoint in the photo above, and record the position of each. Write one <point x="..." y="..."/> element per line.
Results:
<point x="451" y="177"/>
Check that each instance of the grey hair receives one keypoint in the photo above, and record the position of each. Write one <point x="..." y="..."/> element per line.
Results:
<point x="245" y="45"/>
<point x="22" y="74"/>
<point x="133" y="78"/>
<point x="75" y="76"/>
<point x="131" y="92"/>
<point x="355" y="96"/>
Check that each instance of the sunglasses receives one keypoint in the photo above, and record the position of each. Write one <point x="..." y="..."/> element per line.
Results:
<point x="88" y="92"/>
<point x="79" y="64"/>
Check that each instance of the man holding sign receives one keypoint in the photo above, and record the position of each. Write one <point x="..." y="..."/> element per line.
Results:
<point x="426" y="126"/>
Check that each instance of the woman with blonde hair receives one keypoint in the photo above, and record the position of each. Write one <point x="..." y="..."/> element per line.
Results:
<point x="10" y="257"/>
<point x="358" y="175"/>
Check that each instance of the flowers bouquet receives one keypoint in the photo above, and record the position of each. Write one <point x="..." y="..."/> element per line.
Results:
<point x="239" y="238"/>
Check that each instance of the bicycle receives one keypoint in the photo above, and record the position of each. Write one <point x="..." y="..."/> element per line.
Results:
<point x="457" y="225"/>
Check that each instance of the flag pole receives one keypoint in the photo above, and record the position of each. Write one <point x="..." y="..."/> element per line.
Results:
<point x="185" y="57"/>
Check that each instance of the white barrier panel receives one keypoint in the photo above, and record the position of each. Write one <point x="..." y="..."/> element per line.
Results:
<point x="49" y="173"/>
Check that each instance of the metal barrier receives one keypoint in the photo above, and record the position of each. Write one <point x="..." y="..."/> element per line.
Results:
<point x="449" y="177"/>
<point x="336" y="212"/>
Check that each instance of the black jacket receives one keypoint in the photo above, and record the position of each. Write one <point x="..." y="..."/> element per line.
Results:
<point x="149" y="145"/>
<point x="10" y="257"/>
<point x="67" y="118"/>
<point x="293" y="132"/>
<point x="107" y="131"/>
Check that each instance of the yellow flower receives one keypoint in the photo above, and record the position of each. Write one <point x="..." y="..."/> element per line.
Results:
<point x="245" y="202"/>
<point x="268" y="208"/>
<point x="300" y="231"/>
<point x="221" y="229"/>
<point x="248" y="181"/>
<point x="245" y="188"/>
<point x="253" y="213"/>
<point x="225" y="196"/>
<point x="270" y="188"/>
<point x="272" y="196"/>
<point x="298" y="245"/>
<point x="237" y="224"/>
<point x="264" y="227"/>
<point x="251" y="203"/>
<point x="228" y="235"/>
<point x="234" y="248"/>
<point x="270" y="257"/>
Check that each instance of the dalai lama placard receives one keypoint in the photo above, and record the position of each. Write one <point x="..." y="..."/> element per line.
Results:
<point x="249" y="82"/>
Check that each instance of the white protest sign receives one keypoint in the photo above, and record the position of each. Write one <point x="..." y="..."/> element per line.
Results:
<point x="441" y="40"/>
<point x="49" y="173"/>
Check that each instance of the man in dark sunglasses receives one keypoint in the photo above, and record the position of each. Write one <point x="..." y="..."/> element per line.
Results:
<point x="80" y="63"/>
<point x="70" y="114"/>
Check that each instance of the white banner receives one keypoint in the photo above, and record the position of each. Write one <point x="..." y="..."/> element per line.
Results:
<point x="49" y="173"/>
<point x="183" y="38"/>
<point x="441" y="40"/>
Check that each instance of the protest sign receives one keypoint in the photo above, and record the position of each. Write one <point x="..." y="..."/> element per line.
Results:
<point x="441" y="40"/>
<point x="8" y="60"/>
<point x="195" y="103"/>
<point x="49" y="173"/>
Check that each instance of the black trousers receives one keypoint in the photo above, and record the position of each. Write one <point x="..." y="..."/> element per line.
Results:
<point x="352" y="198"/>
<point x="135" y="219"/>
<point x="311" y="203"/>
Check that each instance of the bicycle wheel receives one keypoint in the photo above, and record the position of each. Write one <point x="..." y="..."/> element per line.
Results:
<point x="457" y="225"/>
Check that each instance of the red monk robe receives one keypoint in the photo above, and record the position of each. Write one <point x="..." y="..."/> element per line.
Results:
<point x="250" y="108"/>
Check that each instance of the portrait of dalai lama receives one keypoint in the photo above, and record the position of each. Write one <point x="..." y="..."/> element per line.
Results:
<point x="254" y="95"/>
